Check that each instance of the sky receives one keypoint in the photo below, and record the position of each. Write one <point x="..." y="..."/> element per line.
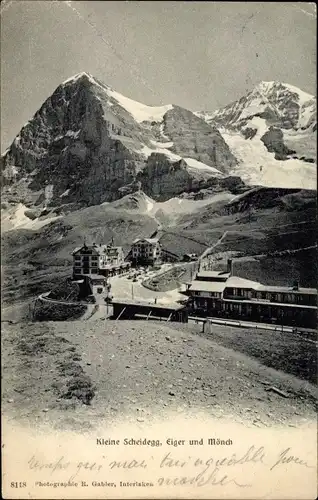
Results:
<point x="198" y="55"/>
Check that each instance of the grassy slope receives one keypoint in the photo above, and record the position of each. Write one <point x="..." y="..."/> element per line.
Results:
<point x="264" y="223"/>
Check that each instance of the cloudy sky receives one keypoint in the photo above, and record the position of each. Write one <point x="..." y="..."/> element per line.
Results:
<point x="199" y="55"/>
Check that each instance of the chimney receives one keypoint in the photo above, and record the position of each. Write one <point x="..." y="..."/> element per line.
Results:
<point x="230" y="266"/>
<point x="296" y="285"/>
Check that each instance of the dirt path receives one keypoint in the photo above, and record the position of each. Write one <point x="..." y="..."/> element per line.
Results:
<point x="141" y="370"/>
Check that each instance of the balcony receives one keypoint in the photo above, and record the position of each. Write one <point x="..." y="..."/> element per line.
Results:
<point x="239" y="297"/>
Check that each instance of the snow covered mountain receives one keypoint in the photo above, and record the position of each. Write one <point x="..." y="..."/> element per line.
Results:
<point x="281" y="104"/>
<point x="272" y="132"/>
<point x="89" y="144"/>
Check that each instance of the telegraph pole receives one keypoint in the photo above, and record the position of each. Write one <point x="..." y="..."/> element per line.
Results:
<point x="107" y="298"/>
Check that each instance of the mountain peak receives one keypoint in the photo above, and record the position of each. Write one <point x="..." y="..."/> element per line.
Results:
<point x="139" y="111"/>
<point x="78" y="76"/>
<point x="278" y="102"/>
<point x="267" y="87"/>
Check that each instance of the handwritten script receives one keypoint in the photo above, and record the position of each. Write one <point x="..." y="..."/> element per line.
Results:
<point x="173" y="471"/>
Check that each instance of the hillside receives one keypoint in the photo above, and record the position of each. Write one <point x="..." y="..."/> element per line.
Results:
<point x="35" y="260"/>
<point x="270" y="232"/>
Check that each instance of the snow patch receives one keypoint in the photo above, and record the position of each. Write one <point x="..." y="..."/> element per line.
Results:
<point x="149" y="204"/>
<point x="259" y="167"/>
<point x="15" y="218"/>
<point x="10" y="172"/>
<point x="191" y="162"/>
<point x="76" y="77"/>
<point x="204" y="115"/>
<point x="303" y="96"/>
<point x="198" y="165"/>
<point x="146" y="151"/>
<point x="65" y="193"/>
<point x="162" y="144"/>
<point x="48" y="192"/>
<point x="260" y="125"/>
<point x="162" y="132"/>
<point x="71" y="133"/>
<point x="307" y="114"/>
<point x="140" y="112"/>
<point x="256" y="106"/>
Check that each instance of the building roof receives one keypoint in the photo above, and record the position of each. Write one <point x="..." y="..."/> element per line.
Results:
<point x="213" y="274"/>
<point x="207" y="286"/>
<point x="90" y="249"/>
<point x="98" y="249"/>
<point x="237" y="282"/>
<point x="219" y="286"/>
<point x="286" y="289"/>
<point x="113" y="250"/>
<point x="99" y="277"/>
<point x="152" y="305"/>
<point x="152" y="241"/>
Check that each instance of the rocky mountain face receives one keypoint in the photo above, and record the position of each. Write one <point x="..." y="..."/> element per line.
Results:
<point x="272" y="132"/>
<point x="280" y="104"/>
<point x="88" y="144"/>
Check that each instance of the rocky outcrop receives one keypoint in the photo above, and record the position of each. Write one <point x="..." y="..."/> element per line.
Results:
<point x="194" y="138"/>
<point x="266" y="198"/>
<point x="249" y="132"/>
<point x="274" y="142"/>
<point x="161" y="179"/>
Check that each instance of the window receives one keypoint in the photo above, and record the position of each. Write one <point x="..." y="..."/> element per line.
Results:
<point x="78" y="257"/>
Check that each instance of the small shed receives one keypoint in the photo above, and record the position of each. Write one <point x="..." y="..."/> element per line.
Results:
<point x="145" y="310"/>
